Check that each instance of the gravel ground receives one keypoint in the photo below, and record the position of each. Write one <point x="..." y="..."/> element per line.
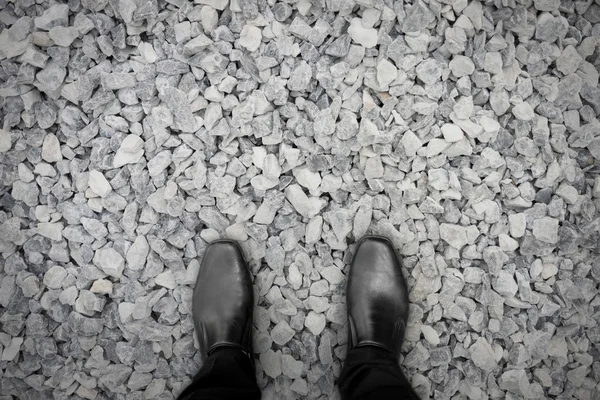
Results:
<point x="134" y="132"/>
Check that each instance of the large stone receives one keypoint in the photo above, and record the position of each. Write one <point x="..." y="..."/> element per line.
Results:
<point x="546" y="229"/>
<point x="361" y="34"/>
<point x="483" y="355"/>
<point x="315" y="322"/>
<point x="454" y="235"/>
<point x="109" y="261"/>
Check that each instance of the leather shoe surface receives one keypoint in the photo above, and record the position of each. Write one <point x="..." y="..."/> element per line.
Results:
<point x="377" y="296"/>
<point x="223" y="299"/>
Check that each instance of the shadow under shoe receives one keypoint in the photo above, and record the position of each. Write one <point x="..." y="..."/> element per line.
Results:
<point x="223" y="299"/>
<point x="377" y="296"/>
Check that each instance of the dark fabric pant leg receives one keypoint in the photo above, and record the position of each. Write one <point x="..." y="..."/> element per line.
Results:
<point x="227" y="374"/>
<point x="371" y="373"/>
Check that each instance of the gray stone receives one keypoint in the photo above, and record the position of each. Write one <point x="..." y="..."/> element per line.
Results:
<point x="429" y="71"/>
<point x="569" y="60"/>
<point x="57" y="15"/>
<point x="454" y="235"/>
<point x="417" y="17"/>
<point x="300" y="77"/>
<point x="546" y="229"/>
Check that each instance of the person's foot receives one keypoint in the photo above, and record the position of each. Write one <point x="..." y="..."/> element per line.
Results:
<point x="223" y="299"/>
<point x="377" y="296"/>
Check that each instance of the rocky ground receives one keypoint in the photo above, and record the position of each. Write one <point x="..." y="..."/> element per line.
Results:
<point x="134" y="132"/>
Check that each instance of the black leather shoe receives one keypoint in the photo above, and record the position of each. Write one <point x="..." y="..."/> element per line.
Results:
<point x="223" y="299"/>
<point x="377" y="296"/>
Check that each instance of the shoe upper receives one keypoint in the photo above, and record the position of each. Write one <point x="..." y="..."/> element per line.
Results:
<point x="377" y="296"/>
<point x="223" y="299"/>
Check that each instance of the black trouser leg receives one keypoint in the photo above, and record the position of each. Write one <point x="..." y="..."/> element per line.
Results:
<point x="371" y="373"/>
<point x="227" y="374"/>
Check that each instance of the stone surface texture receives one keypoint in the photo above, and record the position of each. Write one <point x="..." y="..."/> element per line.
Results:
<point x="135" y="132"/>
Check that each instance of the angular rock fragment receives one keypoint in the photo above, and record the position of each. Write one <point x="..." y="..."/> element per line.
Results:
<point x="109" y="261"/>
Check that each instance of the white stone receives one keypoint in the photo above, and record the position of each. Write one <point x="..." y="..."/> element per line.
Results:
<point x="282" y="333"/>
<point x="386" y="73"/>
<point x="569" y="60"/>
<point x="51" y="149"/>
<point x="137" y="253"/>
<point x="568" y="193"/>
<point x="69" y="296"/>
<point x="483" y="355"/>
<point x="546" y="229"/>
<point x="147" y="52"/>
<point x="125" y="311"/>
<point x="213" y="94"/>
<point x="315" y="322"/>
<point x="505" y="284"/>
<point x="411" y="143"/>
<point x="463" y="108"/>
<point x="5" y="141"/>
<point x="523" y="111"/>
<point x="548" y="271"/>
<point x="333" y="275"/>
<point x="489" y="125"/>
<point x="130" y="151"/>
<point x="98" y="183"/>
<point x="507" y="243"/>
<point x="209" y="18"/>
<point x="265" y="214"/>
<point x="437" y="146"/>
<point x="182" y="31"/>
<point x="472" y="129"/>
<point x="452" y="132"/>
<point x="461" y="66"/>
<point x="166" y="279"/>
<point x="299" y="386"/>
<point x="306" y="206"/>
<point x="313" y="229"/>
<point x="307" y="178"/>
<point x="271" y="363"/>
<point x="250" y="38"/>
<point x="430" y="335"/>
<point x="364" y="36"/>
<point x="237" y="232"/>
<point x="517" y="223"/>
<point x="63" y="36"/>
<point x="492" y="62"/>
<point x="216" y="4"/>
<point x="429" y="71"/>
<point x="454" y="235"/>
<point x="294" y="277"/>
<point x="154" y="388"/>
<point x="102" y="286"/>
<point x="11" y="351"/>
<point x="438" y="179"/>
<point x="109" y="261"/>
<point x="291" y="367"/>
<point x="51" y="230"/>
<point x="54" y="277"/>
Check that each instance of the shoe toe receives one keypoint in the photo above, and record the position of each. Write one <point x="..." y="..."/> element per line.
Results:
<point x="376" y="254"/>
<point x="227" y="254"/>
